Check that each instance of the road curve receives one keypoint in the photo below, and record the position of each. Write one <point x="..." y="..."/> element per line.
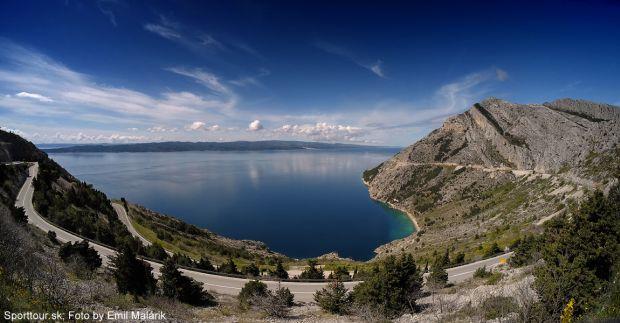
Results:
<point x="303" y="291"/>
<point x="122" y="215"/>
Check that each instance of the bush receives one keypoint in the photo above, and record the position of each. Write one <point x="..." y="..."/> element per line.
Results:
<point x="251" y="270"/>
<point x="133" y="276"/>
<point x="340" y="273"/>
<point x="19" y="214"/>
<point x="279" y="272"/>
<point x="526" y="251"/>
<point x="274" y="304"/>
<point x="90" y="256"/>
<point x="493" y="250"/>
<point x="251" y="291"/>
<point x="392" y="288"/>
<point x="51" y="235"/>
<point x="229" y="267"/>
<point x="498" y="306"/>
<point x="205" y="264"/>
<point x="482" y="272"/>
<point x="155" y="251"/>
<point x="176" y="286"/>
<point x="312" y="272"/>
<point x="460" y="259"/>
<point x="334" y="298"/>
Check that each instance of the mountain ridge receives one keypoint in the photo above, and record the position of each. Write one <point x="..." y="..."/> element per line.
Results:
<point x="174" y="146"/>
<point x="498" y="168"/>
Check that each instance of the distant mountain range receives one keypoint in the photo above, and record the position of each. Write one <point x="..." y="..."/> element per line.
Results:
<point x="174" y="146"/>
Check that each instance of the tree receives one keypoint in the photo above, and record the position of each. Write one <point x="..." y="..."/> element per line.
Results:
<point x="133" y="276"/>
<point x="175" y="285"/>
<point x="205" y="264"/>
<point x="335" y="298"/>
<point x="19" y="214"/>
<point x="280" y="272"/>
<point x="251" y="270"/>
<point x="51" y="235"/>
<point x="229" y="267"/>
<point x="438" y="278"/>
<point x="392" y="288"/>
<point x="340" y="273"/>
<point x="312" y="272"/>
<point x="493" y="250"/>
<point x="579" y="254"/>
<point x="156" y="251"/>
<point x="81" y="249"/>
<point x="460" y="258"/>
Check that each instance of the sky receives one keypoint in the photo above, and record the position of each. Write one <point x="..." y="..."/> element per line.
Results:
<point x="380" y="73"/>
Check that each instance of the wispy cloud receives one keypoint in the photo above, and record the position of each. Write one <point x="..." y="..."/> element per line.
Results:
<point x="196" y="40"/>
<point x="251" y="80"/>
<point x="36" y="96"/>
<point x="39" y="78"/>
<point x="375" y="67"/>
<point x="106" y="11"/>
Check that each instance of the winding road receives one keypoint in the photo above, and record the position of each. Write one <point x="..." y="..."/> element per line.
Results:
<point x="303" y="291"/>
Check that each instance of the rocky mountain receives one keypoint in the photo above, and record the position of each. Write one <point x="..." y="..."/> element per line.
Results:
<point x="498" y="167"/>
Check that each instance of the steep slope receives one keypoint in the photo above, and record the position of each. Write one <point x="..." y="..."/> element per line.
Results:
<point x="495" y="169"/>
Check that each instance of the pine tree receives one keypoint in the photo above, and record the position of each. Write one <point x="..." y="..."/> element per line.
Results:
<point x="334" y="298"/>
<point x="280" y="272"/>
<point x="133" y="276"/>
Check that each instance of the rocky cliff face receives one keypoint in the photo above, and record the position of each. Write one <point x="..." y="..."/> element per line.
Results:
<point x="495" y="143"/>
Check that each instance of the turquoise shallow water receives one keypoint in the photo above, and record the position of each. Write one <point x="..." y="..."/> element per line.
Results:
<point x="301" y="203"/>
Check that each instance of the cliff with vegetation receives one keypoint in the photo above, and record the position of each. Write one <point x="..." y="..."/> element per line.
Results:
<point x="496" y="171"/>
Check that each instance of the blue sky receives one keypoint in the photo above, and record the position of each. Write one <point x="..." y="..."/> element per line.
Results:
<point x="382" y="73"/>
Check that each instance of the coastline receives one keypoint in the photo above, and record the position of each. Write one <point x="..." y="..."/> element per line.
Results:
<point x="393" y="206"/>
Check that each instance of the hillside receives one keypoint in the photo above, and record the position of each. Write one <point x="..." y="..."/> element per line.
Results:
<point x="497" y="170"/>
<point x="203" y="146"/>
<point x="78" y="207"/>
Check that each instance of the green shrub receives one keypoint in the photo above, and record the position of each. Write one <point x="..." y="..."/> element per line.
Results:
<point x="498" y="306"/>
<point x="335" y="298"/>
<point x="312" y="272"/>
<point x="229" y="267"/>
<point x="250" y="291"/>
<point x="392" y="288"/>
<point x="83" y="251"/>
<point x="182" y="288"/>
<point x="133" y="276"/>
<point x="251" y="270"/>
<point x="482" y="272"/>
<point x="340" y="273"/>
<point x="279" y="272"/>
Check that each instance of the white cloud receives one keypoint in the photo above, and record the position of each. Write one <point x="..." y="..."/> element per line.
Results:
<point x="161" y="129"/>
<point x="207" y="79"/>
<point x="199" y="125"/>
<point x="78" y="97"/>
<point x="163" y="31"/>
<point x="255" y="125"/>
<point x="35" y="96"/>
<point x="323" y="131"/>
<point x="81" y="137"/>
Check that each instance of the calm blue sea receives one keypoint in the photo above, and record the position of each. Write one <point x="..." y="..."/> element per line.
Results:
<point x="301" y="203"/>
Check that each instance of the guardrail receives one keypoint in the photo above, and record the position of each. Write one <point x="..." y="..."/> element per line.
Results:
<point x="216" y="273"/>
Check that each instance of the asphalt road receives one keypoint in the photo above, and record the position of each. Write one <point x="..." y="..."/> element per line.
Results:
<point x="303" y="291"/>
